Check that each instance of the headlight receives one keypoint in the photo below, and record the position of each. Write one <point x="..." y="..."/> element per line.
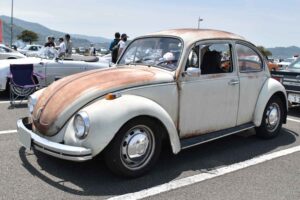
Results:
<point x="81" y="125"/>
<point x="32" y="99"/>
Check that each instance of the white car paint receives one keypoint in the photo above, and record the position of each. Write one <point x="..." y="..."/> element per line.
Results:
<point x="186" y="105"/>
<point x="8" y="53"/>
<point x="30" y="48"/>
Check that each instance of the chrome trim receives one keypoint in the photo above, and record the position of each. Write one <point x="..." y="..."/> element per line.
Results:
<point x="86" y="121"/>
<point x="55" y="149"/>
<point x="231" y="133"/>
<point x="293" y="91"/>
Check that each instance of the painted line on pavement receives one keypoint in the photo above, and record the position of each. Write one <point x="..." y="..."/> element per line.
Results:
<point x="8" y="132"/>
<point x="204" y="176"/>
<point x="293" y="120"/>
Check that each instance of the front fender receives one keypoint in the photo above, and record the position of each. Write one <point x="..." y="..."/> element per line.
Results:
<point x="108" y="116"/>
<point x="271" y="86"/>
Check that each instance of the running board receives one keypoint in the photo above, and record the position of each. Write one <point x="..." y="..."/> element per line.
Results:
<point x="190" y="142"/>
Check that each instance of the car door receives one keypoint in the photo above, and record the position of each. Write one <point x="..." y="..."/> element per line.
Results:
<point x="252" y="76"/>
<point x="58" y="69"/>
<point x="209" y="102"/>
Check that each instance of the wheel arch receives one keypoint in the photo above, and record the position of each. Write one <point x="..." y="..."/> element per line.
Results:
<point x="117" y="113"/>
<point x="270" y="89"/>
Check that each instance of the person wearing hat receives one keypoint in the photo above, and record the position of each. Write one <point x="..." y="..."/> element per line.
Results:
<point x="122" y="43"/>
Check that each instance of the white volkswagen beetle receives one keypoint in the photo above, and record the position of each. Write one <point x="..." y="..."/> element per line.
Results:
<point x="186" y="86"/>
<point x="50" y="68"/>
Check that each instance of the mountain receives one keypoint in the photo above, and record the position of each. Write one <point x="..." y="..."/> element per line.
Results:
<point x="284" y="52"/>
<point x="43" y="32"/>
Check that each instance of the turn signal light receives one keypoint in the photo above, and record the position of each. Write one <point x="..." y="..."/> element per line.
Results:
<point x="112" y="96"/>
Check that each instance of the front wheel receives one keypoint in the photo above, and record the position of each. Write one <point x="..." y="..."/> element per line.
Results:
<point x="272" y="119"/>
<point x="135" y="148"/>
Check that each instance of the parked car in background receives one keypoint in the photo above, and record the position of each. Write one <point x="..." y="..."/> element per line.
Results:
<point x="290" y="78"/>
<point x="170" y="85"/>
<point x="8" y="53"/>
<point x="48" y="65"/>
<point x="30" y="48"/>
<point x="283" y="64"/>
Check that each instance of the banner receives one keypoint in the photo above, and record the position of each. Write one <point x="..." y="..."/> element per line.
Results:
<point x="1" y="31"/>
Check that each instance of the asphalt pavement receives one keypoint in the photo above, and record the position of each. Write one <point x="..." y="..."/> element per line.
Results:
<point x="24" y="175"/>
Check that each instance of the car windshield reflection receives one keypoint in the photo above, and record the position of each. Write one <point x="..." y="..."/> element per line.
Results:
<point x="159" y="52"/>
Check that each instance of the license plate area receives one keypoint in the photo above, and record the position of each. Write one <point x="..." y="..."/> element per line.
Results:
<point x="294" y="98"/>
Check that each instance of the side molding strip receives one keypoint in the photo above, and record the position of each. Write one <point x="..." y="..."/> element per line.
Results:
<point x="194" y="141"/>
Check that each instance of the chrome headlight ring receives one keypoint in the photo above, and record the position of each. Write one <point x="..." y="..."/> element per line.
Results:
<point x="81" y="125"/>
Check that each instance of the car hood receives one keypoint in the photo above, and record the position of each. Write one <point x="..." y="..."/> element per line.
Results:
<point x="58" y="103"/>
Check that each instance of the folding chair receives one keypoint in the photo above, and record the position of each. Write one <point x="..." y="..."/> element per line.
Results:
<point x="22" y="82"/>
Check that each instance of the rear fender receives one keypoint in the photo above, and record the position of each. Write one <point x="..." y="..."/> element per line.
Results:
<point x="271" y="87"/>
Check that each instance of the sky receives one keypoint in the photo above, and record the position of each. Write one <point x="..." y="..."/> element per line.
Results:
<point x="270" y="23"/>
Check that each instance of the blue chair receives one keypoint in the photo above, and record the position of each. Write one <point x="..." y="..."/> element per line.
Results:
<point x="22" y="82"/>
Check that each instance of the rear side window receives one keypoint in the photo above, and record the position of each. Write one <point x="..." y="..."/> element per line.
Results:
<point x="248" y="59"/>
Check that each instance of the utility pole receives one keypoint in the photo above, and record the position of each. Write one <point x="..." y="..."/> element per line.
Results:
<point x="199" y="20"/>
<point x="11" y="22"/>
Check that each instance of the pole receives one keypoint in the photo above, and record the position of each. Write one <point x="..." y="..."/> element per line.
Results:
<point x="11" y="22"/>
<point x="199" y="20"/>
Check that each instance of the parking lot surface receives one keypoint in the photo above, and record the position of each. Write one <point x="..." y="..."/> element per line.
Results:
<point x="25" y="175"/>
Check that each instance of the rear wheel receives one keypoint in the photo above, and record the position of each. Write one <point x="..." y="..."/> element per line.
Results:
<point x="135" y="148"/>
<point x="272" y="119"/>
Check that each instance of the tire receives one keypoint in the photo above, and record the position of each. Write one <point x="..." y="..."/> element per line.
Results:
<point x="135" y="148"/>
<point x="272" y="119"/>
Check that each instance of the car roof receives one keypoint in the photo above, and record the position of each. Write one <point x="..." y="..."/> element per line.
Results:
<point x="190" y="35"/>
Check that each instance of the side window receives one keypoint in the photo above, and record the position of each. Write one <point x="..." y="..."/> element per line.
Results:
<point x="248" y="59"/>
<point x="216" y="58"/>
<point x="2" y="50"/>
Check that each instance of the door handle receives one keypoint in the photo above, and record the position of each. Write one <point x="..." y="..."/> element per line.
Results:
<point x="233" y="82"/>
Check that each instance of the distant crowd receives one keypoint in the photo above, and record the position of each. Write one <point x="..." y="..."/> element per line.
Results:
<point x="65" y="46"/>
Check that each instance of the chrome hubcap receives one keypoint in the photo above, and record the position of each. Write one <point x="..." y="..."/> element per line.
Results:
<point x="137" y="147"/>
<point x="273" y="117"/>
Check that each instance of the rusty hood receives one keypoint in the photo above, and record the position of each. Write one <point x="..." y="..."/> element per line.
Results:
<point x="63" y="98"/>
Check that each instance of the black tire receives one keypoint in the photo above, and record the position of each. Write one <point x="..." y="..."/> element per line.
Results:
<point x="117" y="154"/>
<point x="270" y="126"/>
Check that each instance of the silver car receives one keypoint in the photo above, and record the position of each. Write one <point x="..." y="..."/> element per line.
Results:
<point x="48" y="65"/>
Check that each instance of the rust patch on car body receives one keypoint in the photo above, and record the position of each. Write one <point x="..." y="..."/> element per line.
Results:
<point x="62" y="94"/>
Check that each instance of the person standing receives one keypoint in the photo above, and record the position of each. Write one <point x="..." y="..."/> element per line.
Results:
<point x="49" y="42"/>
<point x="68" y="45"/>
<point x="62" y="48"/>
<point x="114" y="48"/>
<point x="122" y="44"/>
<point x="92" y="50"/>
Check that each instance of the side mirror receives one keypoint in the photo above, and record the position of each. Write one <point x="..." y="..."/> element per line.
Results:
<point x="193" y="59"/>
<point x="193" y="72"/>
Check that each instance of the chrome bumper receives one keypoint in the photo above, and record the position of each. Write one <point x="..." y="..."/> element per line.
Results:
<point x="29" y="140"/>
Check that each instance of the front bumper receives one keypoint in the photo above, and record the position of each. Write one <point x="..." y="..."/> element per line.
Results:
<point x="29" y="140"/>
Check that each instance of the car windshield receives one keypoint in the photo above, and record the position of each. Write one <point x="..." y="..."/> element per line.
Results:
<point x="295" y="65"/>
<point x="47" y="53"/>
<point x="160" y="52"/>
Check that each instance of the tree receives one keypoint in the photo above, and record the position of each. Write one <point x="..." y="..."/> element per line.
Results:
<point x="28" y="36"/>
<point x="265" y="52"/>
